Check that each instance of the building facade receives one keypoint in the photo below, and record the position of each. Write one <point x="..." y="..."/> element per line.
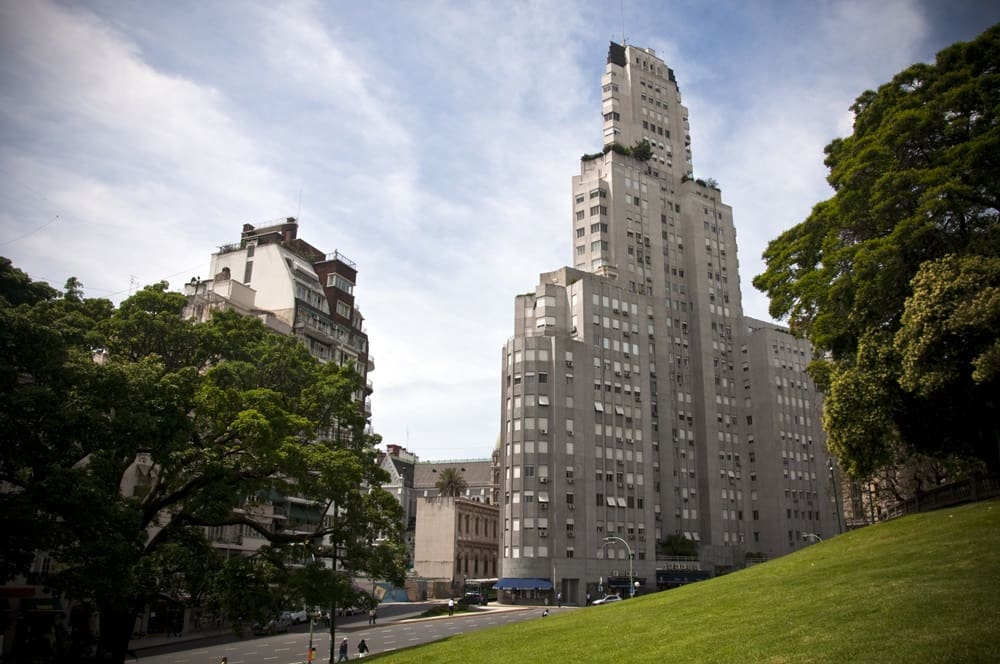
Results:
<point x="634" y="394"/>
<point x="298" y="290"/>
<point x="398" y="463"/>
<point x="294" y="288"/>
<point x="455" y="540"/>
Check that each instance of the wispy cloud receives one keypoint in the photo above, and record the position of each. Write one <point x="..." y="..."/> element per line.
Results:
<point x="431" y="142"/>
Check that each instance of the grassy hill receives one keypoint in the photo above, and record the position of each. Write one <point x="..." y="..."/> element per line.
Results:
<point x="924" y="588"/>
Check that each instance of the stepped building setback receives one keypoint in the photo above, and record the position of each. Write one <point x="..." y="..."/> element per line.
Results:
<point x="637" y="400"/>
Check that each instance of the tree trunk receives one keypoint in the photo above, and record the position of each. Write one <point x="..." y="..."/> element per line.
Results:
<point x="116" y="623"/>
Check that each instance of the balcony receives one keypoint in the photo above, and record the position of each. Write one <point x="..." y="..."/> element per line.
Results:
<point x="337" y="256"/>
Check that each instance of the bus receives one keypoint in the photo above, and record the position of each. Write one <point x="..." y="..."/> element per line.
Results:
<point x="482" y="587"/>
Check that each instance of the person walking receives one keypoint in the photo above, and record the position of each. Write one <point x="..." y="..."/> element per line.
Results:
<point x="343" y="651"/>
<point x="451" y="606"/>
<point x="362" y="648"/>
<point x="371" y="616"/>
<point x="559" y="600"/>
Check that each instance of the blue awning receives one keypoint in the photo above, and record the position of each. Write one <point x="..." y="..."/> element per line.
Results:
<point x="511" y="583"/>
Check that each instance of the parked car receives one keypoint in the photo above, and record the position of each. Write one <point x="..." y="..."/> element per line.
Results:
<point x="347" y="610"/>
<point x="276" y="625"/>
<point x="473" y="599"/>
<point x="607" y="599"/>
<point x="298" y="617"/>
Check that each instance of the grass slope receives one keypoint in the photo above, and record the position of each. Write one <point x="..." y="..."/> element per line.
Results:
<point x="923" y="588"/>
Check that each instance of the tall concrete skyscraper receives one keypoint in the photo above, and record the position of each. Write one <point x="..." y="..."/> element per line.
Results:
<point x="637" y="401"/>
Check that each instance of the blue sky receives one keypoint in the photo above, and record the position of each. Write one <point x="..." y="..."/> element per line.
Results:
<point x="431" y="142"/>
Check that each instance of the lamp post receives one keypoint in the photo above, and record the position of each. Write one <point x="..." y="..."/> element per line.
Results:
<point x="628" y="549"/>
<point x="836" y="498"/>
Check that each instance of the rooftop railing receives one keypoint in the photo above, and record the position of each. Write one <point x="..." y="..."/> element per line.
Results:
<point x="337" y="256"/>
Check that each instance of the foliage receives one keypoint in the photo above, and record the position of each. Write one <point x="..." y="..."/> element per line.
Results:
<point x="676" y="544"/>
<point x="894" y="278"/>
<point x="451" y="483"/>
<point x="641" y="151"/>
<point x="129" y="431"/>
<point x="882" y="584"/>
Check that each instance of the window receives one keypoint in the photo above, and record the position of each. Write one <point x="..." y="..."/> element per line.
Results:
<point x="340" y="282"/>
<point x="344" y="309"/>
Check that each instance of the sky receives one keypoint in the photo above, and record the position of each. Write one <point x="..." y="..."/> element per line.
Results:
<point x="432" y="142"/>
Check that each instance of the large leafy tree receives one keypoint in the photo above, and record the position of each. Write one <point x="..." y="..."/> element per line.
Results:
<point x="226" y="415"/>
<point x="894" y="278"/>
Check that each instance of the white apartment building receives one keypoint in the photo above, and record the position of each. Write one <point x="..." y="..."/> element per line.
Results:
<point x="294" y="288"/>
<point x="625" y="407"/>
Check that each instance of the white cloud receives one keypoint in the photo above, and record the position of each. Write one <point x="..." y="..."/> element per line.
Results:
<point x="432" y="143"/>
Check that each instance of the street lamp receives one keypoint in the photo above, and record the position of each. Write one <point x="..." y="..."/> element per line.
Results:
<point x="631" y="577"/>
<point x="836" y="497"/>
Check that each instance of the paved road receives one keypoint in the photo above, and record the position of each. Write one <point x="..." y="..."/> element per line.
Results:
<point x="292" y="648"/>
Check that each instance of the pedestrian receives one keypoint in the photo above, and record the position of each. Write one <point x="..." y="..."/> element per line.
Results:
<point x="371" y="616"/>
<point x="343" y="651"/>
<point x="545" y="613"/>
<point x="451" y="606"/>
<point x="588" y="599"/>
<point x="362" y="648"/>
<point x="559" y="600"/>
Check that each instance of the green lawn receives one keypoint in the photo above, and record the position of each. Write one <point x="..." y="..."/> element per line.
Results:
<point x="924" y="588"/>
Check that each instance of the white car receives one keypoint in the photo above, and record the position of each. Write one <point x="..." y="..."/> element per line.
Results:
<point x="607" y="599"/>
<point x="299" y="617"/>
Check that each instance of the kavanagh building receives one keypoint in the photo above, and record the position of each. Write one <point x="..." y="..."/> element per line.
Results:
<point x="637" y="400"/>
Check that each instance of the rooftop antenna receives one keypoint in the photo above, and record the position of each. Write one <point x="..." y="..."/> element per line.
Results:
<point x="624" y="40"/>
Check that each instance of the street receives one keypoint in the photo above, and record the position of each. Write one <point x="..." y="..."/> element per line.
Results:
<point x="291" y="648"/>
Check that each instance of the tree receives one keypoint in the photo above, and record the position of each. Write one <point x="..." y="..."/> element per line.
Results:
<point x="676" y="544"/>
<point x="893" y="279"/>
<point x="451" y="483"/>
<point x="223" y="416"/>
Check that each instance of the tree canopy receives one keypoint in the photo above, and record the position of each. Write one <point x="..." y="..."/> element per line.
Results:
<point x="894" y="279"/>
<point x="129" y="431"/>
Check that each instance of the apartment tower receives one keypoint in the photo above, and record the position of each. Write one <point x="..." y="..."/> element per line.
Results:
<point x="637" y="402"/>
